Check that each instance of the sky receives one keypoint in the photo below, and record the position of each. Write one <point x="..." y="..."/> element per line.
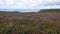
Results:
<point x="29" y="4"/>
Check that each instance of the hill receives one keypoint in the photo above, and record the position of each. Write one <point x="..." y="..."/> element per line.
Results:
<point x="49" y="10"/>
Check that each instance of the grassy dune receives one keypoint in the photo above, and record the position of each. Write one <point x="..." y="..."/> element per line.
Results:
<point x="30" y="23"/>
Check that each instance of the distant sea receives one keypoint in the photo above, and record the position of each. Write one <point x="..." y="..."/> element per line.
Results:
<point x="20" y="10"/>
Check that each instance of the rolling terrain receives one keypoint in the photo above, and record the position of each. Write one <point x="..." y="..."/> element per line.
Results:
<point x="30" y="22"/>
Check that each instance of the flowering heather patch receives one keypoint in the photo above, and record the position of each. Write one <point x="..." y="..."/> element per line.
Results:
<point x="30" y="23"/>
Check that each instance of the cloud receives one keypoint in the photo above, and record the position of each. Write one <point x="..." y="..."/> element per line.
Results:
<point x="1" y="2"/>
<point x="24" y="4"/>
<point x="20" y="3"/>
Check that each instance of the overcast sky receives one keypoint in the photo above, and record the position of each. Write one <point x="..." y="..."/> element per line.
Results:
<point x="27" y="4"/>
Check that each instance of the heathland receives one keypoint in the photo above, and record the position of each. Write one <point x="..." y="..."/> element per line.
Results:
<point x="42" y="22"/>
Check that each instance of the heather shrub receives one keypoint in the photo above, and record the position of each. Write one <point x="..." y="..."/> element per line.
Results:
<point x="29" y="23"/>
